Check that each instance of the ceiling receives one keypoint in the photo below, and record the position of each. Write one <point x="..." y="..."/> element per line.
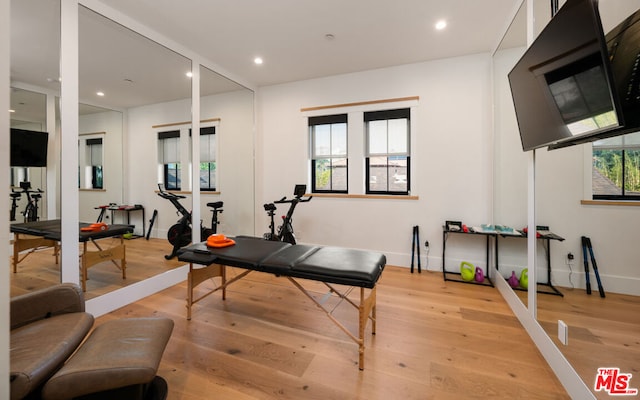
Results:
<point x="290" y="36"/>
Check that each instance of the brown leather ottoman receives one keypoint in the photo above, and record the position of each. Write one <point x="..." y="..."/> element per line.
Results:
<point x="120" y="359"/>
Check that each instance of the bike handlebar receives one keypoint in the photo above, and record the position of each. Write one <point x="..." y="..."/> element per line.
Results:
<point x="295" y="199"/>
<point x="38" y="190"/>
<point x="166" y="195"/>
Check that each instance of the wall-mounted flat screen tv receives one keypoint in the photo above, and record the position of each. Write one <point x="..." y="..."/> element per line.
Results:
<point x="570" y="86"/>
<point x="28" y="148"/>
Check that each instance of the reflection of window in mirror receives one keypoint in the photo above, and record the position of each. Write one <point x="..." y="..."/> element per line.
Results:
<point x="91" y="156"/>
<point x="169" y="159"/>
<point x="616" y="168"/>
<point x="19" y="174"/>
<point x="208" y="157"/>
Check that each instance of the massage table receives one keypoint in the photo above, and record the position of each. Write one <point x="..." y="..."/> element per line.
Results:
<point x="329" y="265"/>
<point x="34" y="235"/>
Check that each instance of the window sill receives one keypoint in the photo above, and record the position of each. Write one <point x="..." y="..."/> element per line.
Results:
<point x="363" y="196"/>
<point x="631" y="203"/>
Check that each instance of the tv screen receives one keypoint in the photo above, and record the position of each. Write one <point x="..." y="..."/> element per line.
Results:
<point x="563" y="86"/>
<point x="28" y="148"/>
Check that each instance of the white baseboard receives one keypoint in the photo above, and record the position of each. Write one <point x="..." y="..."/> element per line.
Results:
<point x="119" y="298"/>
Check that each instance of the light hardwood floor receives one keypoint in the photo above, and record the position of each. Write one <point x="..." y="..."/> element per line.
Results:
<point x="144" y="259"/>
<point x="434" y="340"/>
<point x="603" y="332"/>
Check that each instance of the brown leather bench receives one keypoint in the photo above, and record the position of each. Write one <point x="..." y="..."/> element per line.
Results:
<point x="118" y="360"/>
<point x="49" y="360"/>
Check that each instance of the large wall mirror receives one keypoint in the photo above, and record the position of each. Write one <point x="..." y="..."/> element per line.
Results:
<point x="124" y="71"/>
<point x="563" y="178"/>
<point x="510" y="163"/>
<point x="35" y="87"/>
<point x="130" y="89"/>
<point x="228" y="107"/>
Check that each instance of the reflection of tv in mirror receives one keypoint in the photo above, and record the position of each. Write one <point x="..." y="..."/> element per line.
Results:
<point x="28" y="148"/>
<point x="623" y="43"/>
<point x="567" y="88"/>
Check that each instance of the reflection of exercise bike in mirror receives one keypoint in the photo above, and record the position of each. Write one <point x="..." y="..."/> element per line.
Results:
<point x="30" y="212"/>
<point x="15" y="196"/>
<point x="179" y="234"/>
<point x="285" y="231"/>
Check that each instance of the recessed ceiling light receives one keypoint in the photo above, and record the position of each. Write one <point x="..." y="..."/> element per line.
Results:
<point x="100" y="94"/>
<point x="329" y="36"/>
<point x="12" y="111"/>
<point x="440" y="25"/>
<point x="189" y="74"/>
<point x="258" y="60"/>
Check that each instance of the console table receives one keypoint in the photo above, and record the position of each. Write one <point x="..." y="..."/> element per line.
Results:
<point x="495" y="236"/>
<point x="122" y="208"/>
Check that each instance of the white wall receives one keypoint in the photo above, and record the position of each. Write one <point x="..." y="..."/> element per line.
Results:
<point x="452" y="158"/>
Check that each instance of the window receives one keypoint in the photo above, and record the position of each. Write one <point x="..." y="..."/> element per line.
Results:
<point x="208" y="165"/>
<point x="329" y="163"/>
<point x="387" y="152"/>
<point x="616" y="168"/>
<point x="94" y="152"/>
<point x="91" y="161"/>
<point x="169" y="158"/>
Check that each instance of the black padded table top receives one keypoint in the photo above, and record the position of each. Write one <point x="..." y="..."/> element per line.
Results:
<point x="327" y="264"/>
<point x="52" y="230"/>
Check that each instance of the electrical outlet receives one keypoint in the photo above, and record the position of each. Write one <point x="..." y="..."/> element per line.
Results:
<point x="569" y="259"/>
<point x="563" y="332"/>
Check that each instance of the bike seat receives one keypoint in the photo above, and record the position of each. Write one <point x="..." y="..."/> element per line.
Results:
<point x="15" y="195"/>
<point x="36" y="195"/>
<point x="216" y="204"/>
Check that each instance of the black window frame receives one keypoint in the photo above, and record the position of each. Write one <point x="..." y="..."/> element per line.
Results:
<point x="169" y="185"/>
<point x="97" y="171"/>
<point x="209" y="130"/>
<point x="624" y="195"/>
<point x="327" y="120"/>
<point x="400" y="113"/>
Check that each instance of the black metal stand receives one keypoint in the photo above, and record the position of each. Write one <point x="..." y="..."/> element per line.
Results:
<point x="415" y="244"/>
<point x="586" y="245"/>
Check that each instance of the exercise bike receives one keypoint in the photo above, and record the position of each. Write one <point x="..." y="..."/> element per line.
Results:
<point x="30" y="212"/>
<point x="179" y="234"/>
<point x="285" y="231"/>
